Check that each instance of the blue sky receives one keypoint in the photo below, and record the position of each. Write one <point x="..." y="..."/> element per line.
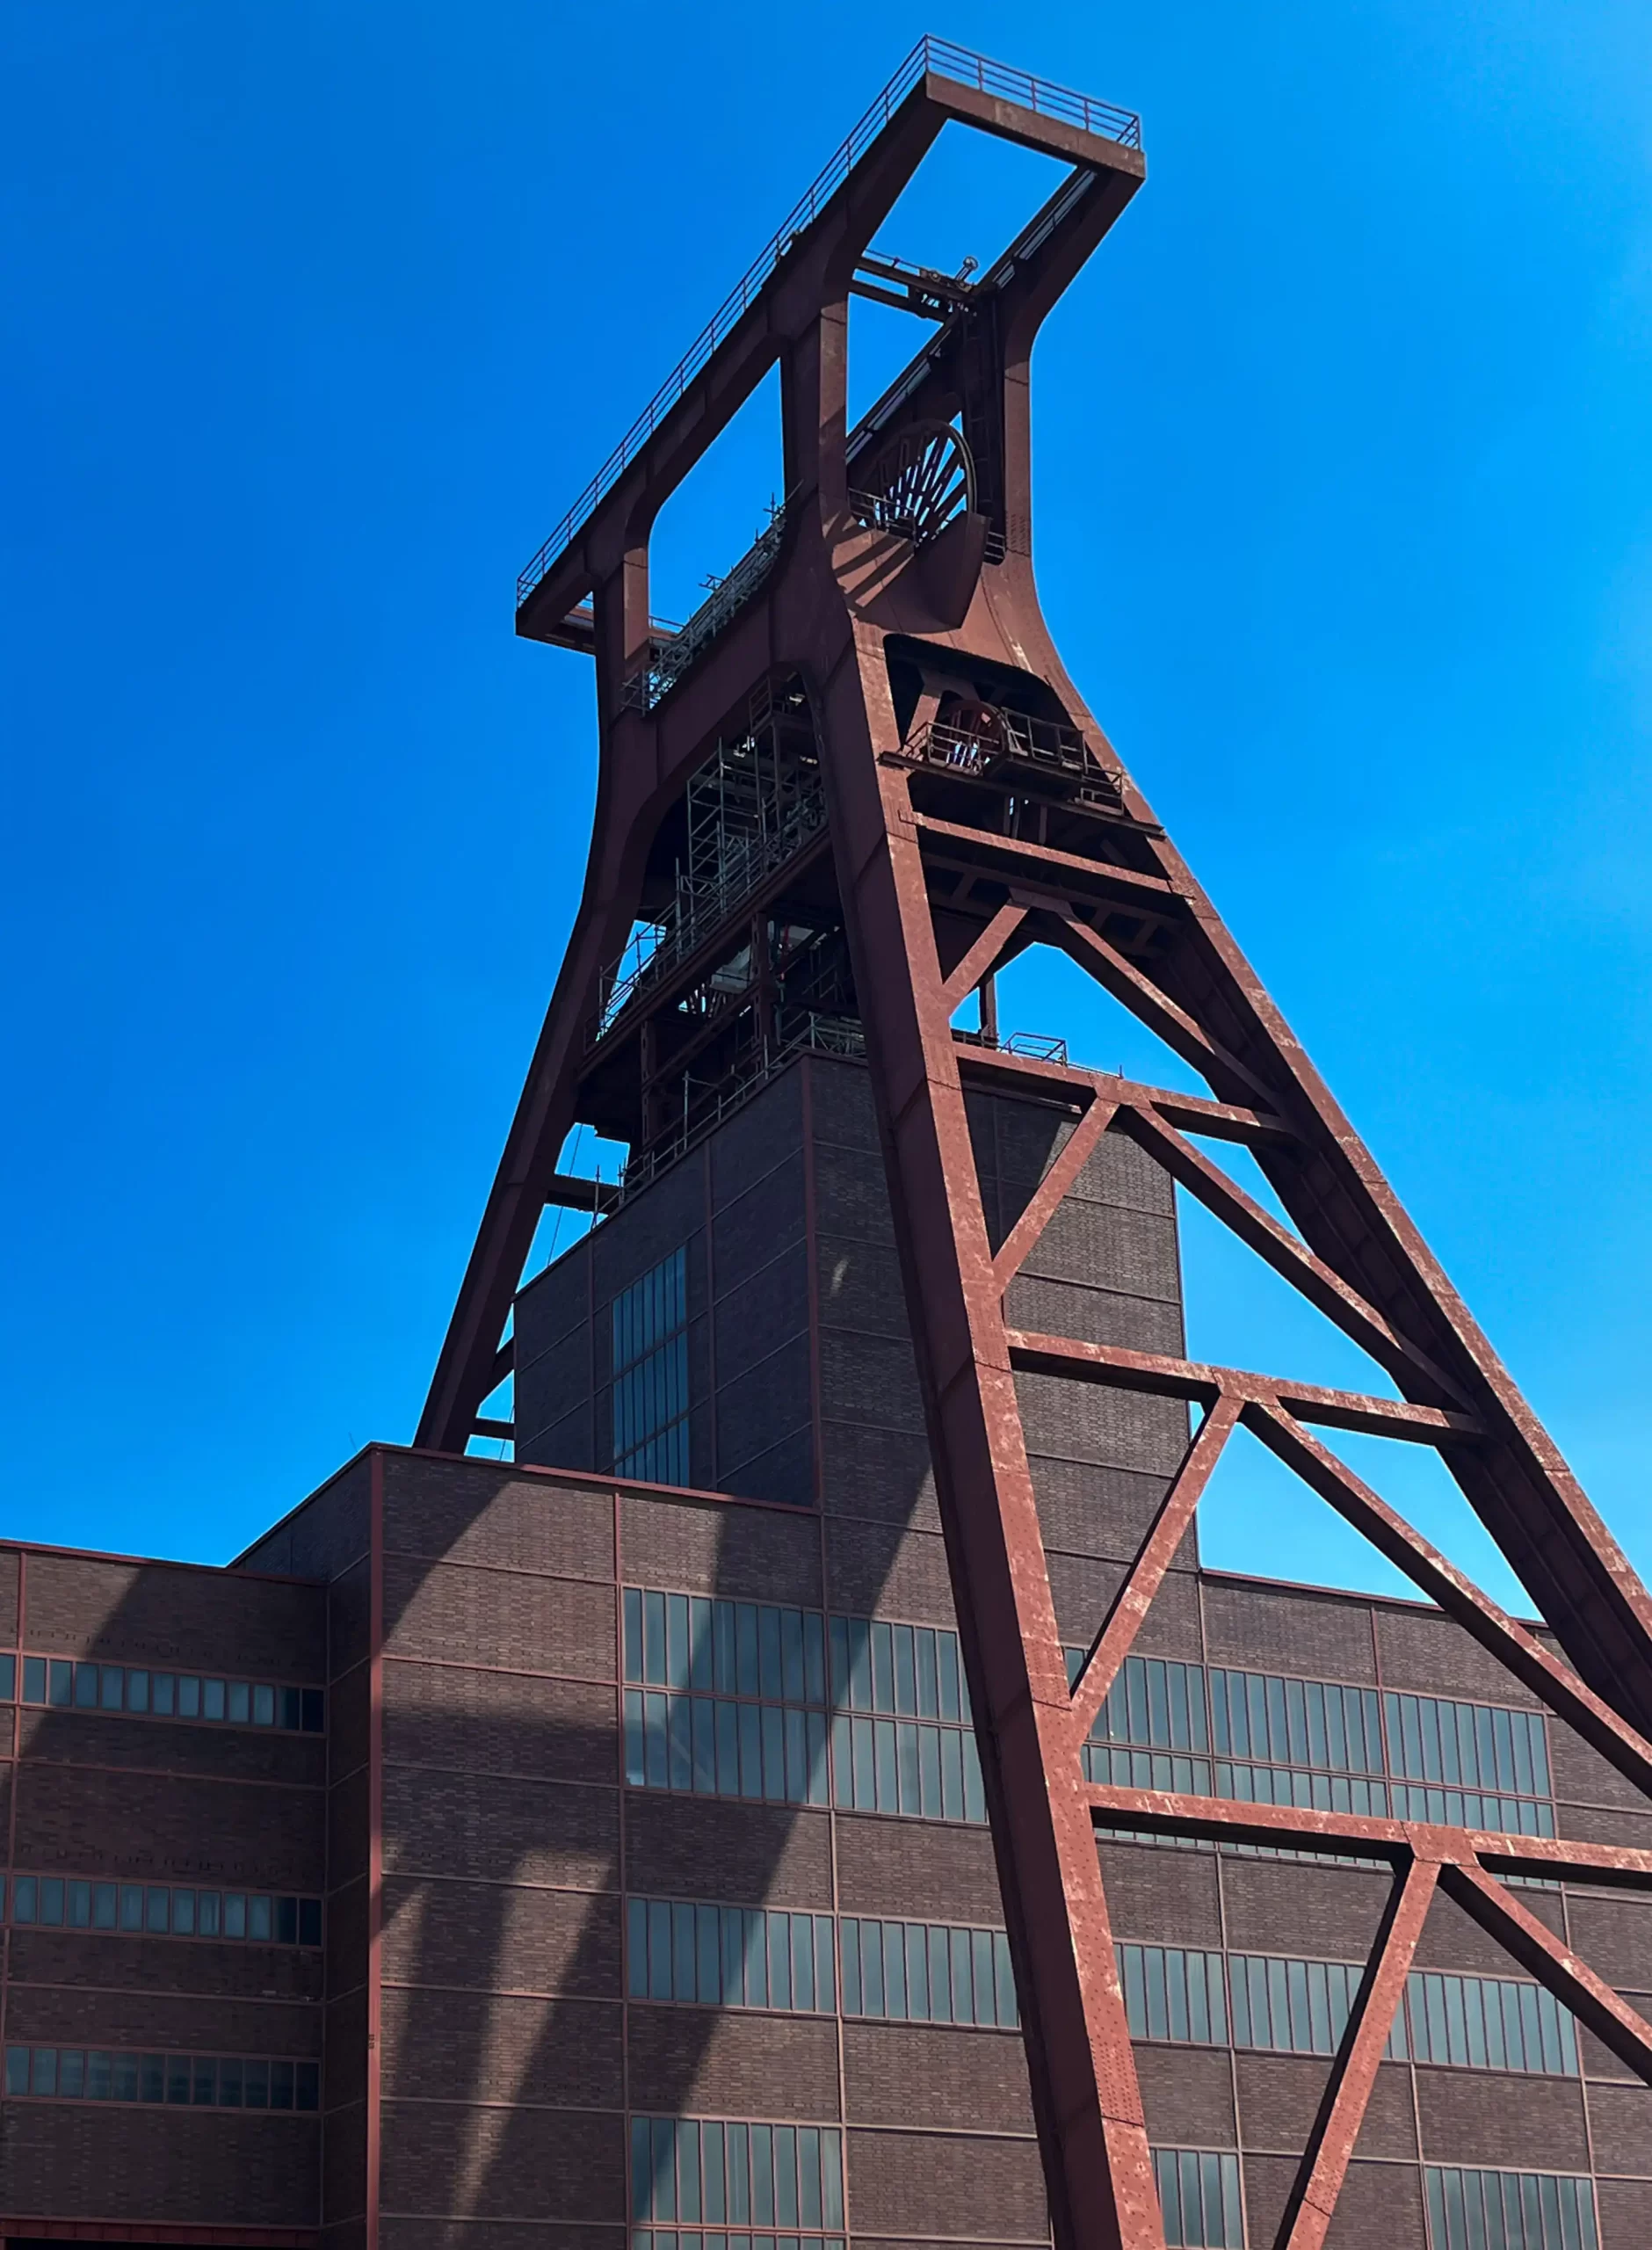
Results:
<point x="315" y="319"/>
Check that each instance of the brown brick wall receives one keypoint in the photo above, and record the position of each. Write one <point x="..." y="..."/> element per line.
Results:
<point x="175" y="1619"/>
<point x="499" y="1723"/>
<point x="482" y="2234"/>
<point x="501" y="2047"/>
<point x="165" y="1966"/>
<point x="743" y="1554"/>
<point x="976" y="2081"/>
<point x="76" y="2159"/>
<point x="1280" y="2095"/>
<point x="93" y="1821"/>
<point x="1254" y="1626"/>
<point x="1160" y="1896"/>
<point x="145" y="2019"/>
<point x="1483" y="2117"/>
<point x="459" y="1935"/>
<point x="1381" y="2207"/>
<point x="477" y="1513"/>
<point x="169" y="1746"/>
<point x="542" y="2164"/>
<point x="919" y="2183"/>
<point x="1625" y="2214"/>
<point x="680" y="1848"/>
<point x="916" y="1868"/>
<point x="692" y="2061"/>
<point x="1187" y="2093"/>
<point x="1322" y="1914"/>
<point x="499" y="1617"/>
<point x="499" y="1830"/>
<point x="1621" y="2128"/>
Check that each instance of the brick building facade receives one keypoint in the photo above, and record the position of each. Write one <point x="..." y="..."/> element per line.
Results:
<point x="515" y="1857"/>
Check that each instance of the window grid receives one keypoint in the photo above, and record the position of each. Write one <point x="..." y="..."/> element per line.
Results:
<point x="654" y="2237"/>
<point x="753" y="1649"/>
<point x="202" y="2082"/>
<point x="1296" y="2007"/>
<point x="716" y="1748"/>
<point x="650" y="1374"/>
<point x="1509" y="2210"/>
<point x="729" y="1957"/>
<point x="1498" y="2024"/>
<point x="1199" y="2197"/>
<point x="712" y="2172"/>
<point x="902" y="1739"/>
<point x="1171" y="1992"/>
<point x="928" y="1972"/>
<point x="1317" y="1745"/>
<point x="62" y="1683"/>
<point x="163" y="1910"/>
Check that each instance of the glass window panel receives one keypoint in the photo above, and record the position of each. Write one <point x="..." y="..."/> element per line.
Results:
<point x="917" y="1964"/>
<point x="947" y="1651"/>
<point x="983" y="2006"/>
<point x="762" y="2175"/>
<point x="825" y="1979"/>
<point x="894" y="1996"/>
<point x="1003" y="1979"/>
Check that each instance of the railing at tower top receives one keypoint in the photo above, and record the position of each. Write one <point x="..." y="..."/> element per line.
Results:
<point x="945" y="60"/>
<point x="670" y="655"/>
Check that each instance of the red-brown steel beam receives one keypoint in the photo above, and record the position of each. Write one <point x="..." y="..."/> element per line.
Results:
<point x="1335" y="2132"/>
<point x="1157" y="1553"/>
<point x="1306" y="1828"/>
<point x="1120" y="1368"/>
<point x="1101" y="2177"/>
<point x="1079" y="1146"/>
<point x="1520" y="1653"/>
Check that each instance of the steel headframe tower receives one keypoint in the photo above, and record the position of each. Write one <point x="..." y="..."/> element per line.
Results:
<point x="872" y="710"/>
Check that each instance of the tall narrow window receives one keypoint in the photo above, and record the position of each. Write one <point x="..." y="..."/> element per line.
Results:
<point x="651" y="1376"/>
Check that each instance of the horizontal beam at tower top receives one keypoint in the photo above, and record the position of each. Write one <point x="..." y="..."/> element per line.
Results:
<point x="1012" y="103"/>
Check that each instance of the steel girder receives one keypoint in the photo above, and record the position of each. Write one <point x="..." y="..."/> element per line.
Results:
<point x="933" y="895"/>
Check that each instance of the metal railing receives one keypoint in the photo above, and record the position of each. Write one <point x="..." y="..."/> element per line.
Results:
<point x="670" y="658"/>
<point x="1015" y="736"/>
<point x="800" y="1030"/>
<point x="945" y="60"/>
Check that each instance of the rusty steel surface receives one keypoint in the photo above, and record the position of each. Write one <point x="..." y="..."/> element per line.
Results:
<point x="951" y="848"/>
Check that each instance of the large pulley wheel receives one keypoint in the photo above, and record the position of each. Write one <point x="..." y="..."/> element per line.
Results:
<point x="922" y="480"/>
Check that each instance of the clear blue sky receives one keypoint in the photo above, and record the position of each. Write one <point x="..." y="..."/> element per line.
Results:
<point x="315" y="318"/>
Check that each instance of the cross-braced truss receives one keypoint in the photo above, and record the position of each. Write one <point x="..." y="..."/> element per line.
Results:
<point x="903" y="674"/>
